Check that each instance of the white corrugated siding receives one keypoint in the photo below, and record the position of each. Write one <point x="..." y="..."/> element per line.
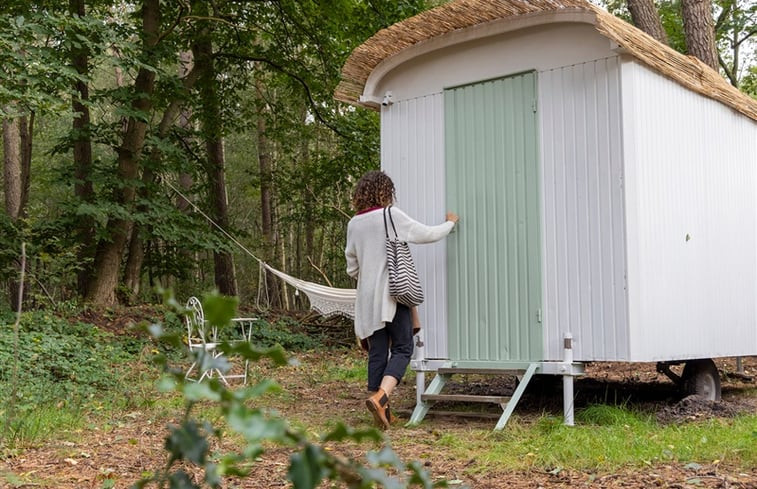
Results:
<point x="691" y="180"/>
<point x="412" y="153"/>
<point x="582" y="201"/>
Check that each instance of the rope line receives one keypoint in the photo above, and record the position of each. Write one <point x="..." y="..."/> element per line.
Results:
<point x="325" y="299"/>
<point x="199" y="211"/>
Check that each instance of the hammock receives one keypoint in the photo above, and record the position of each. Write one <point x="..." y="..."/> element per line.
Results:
<point x="327" y="301"/>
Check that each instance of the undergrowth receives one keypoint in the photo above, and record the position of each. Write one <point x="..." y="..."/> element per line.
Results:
<point x="70" y="370"/>
<point x="283" y="332"/>
<point x="65" y="369"/>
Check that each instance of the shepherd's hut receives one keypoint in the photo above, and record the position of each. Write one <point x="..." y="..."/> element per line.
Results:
<point x="607" y="188"/>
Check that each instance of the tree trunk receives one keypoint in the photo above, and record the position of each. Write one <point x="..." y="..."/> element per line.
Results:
<point x="645" y="17"/>
<point x="12" y="169"/>
<point x="13" y="155"/>
<point x="136" y="257"/>
<point x="82" y="147"/>
<point x="266" y="207"/>
<point x="699" y="32"/>
<point x="102" y="288"/>
<point x="135" y="260"/>
<point x="26" y="134"/>
<point x="202" y="50"/>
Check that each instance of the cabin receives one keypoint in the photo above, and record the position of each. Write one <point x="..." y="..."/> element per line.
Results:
<point x="606" y="184"/>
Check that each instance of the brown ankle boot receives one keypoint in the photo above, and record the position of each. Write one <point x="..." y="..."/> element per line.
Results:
<point x="378" y="404"/>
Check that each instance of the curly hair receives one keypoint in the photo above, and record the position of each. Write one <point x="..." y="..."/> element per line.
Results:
<point x="374" y="189"/>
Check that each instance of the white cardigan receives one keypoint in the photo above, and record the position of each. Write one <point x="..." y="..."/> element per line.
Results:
<point x="366" y="261"/>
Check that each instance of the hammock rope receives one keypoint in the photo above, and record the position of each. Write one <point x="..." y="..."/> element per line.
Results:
<point x="327" y="301"/>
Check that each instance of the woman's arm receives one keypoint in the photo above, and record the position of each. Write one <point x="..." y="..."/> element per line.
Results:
<point x="353" y="267"/>
<point x="412" y="231"/>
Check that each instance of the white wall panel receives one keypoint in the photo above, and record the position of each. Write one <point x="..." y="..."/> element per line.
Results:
<point x="583" y="211"/>
<point x="412" y="153"/>
<point x="691" y="175"/>
<point x="536" y="48"/>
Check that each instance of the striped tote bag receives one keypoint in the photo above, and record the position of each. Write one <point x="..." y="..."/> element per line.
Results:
<point x="404" y="284"/>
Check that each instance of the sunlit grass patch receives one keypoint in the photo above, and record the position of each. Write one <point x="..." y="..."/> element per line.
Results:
<point x="33" y="426"/>
<point x="608" y="437"/>
<point x="348" y="369"/>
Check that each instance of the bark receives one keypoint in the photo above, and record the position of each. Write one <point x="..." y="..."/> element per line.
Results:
<point x="17" y="146"/>
<point x="202" y="50"/>
<point x="27" y="135"/>
<point x="699" y="32"/>
<point x="645" y="17"/>
<point x="266" y="207"/>
<point x="186" y="63"/>
<point x="12" y="167"/>
<point x="82" y="148"/>
<point x="309" y="202"/>
<point x="186" y="180"/>
<point x="136" y="257"/>
<point x="102" y="287"/>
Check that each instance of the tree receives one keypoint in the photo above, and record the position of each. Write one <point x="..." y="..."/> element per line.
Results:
<point x="104" y="88"/>
<point x="691" y="29"/>
<point x="645" y="17"/>
<point x="212" y="121"/>
<point x="736" y="28"/>
<point x="82" y="146"/>
<point x="102" y="287"/>
<point x="16" y="142"/>
<point x="698" y="27"/>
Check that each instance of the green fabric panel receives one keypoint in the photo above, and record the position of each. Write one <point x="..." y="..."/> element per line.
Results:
<point x="494" y="257"/>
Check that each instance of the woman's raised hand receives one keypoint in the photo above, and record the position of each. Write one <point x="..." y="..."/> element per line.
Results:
<point x="451" y="216"/>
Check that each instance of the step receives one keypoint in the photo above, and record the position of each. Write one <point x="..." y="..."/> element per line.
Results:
<point x="481" y="371"/>
<point x="465" y="398"/>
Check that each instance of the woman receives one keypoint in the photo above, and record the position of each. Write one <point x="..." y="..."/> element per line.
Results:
<point x="385" y="324"/>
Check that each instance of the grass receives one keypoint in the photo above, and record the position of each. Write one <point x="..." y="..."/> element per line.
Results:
<point x="350" y="369"/>
<point x="604" y="439"/>
<point x="35" y="426"/>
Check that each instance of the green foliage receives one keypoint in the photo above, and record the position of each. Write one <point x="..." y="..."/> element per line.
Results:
<point x="284" y="332"/>
<point x="189" y="442"/>
<point x="62" y="365"/>
<point x="60" y="360"/>
<point x="749" y="82"/>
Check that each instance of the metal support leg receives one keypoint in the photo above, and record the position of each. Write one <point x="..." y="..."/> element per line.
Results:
<point x="421" y="409"/>
<point x="420" y="386"/>
<point x="516" y="396"/>
<point x="567" y="380"/>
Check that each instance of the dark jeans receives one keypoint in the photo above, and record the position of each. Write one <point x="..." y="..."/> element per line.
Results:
<point x="395" y="338"/>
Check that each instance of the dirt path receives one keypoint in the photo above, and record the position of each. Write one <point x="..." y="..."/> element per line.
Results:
<point x="132" y="445"/>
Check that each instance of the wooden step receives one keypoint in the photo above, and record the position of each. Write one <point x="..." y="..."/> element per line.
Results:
<point x="464" y="398"/>
<point x="481" y="371"/>
<point x="455" y="414"/>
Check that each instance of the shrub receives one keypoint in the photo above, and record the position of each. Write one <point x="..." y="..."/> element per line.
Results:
<point x="59" y="361"/>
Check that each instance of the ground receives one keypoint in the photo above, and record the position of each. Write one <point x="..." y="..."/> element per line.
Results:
<point x="128" y="447"/>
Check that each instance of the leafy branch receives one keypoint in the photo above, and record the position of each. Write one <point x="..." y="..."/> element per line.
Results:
<point x="189" y="443"/>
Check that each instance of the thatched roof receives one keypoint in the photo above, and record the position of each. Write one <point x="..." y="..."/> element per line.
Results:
<point x="460" y="14"/>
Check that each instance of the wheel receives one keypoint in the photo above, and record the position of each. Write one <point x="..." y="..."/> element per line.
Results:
<point x="701" y="378"/>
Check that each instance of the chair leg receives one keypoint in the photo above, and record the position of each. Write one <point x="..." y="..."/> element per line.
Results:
<point x="187" y="376"/>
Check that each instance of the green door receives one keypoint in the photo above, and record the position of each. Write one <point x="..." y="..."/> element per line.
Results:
<point x="494" y="257"/>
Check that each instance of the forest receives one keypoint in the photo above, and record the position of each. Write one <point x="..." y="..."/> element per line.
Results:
<point x="155" y="150"/>
<point x="135" y="131"/>
<point x="141" y="139"/>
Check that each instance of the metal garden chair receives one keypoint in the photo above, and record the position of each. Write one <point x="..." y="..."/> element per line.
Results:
<point x="204" y="341"/>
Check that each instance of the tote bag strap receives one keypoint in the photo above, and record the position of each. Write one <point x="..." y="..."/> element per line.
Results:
<point x="386" y="229"/>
